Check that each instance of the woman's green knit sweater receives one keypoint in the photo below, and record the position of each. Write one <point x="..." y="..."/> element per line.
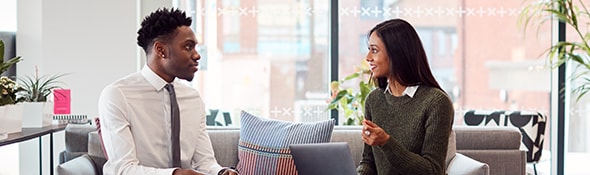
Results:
<point x="419" y="129"/>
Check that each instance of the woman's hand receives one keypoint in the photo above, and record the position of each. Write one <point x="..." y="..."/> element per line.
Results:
<point x="230" y="172"/>
<point x="373" y="135"/>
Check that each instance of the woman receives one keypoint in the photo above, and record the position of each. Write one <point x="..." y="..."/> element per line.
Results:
<point x="408" y="118"/>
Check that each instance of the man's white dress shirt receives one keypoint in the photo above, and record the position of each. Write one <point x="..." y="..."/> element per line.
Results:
<point x="135" y="122"/>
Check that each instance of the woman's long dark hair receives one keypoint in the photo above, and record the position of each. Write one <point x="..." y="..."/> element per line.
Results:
<point x="408" y="64"/>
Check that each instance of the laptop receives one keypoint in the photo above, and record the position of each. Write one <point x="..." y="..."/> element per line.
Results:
<point x="323" y="159"/>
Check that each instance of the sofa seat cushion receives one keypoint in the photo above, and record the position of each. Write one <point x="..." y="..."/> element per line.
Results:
<point x="263" y="147"/>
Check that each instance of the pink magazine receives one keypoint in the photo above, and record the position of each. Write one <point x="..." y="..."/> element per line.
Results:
<point x="61" y="99"/>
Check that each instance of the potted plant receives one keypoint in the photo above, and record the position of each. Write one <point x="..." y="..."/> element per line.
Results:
<point x="10" y="114"/>
<point x="9" y="90"/>
<point x="38" y="88"/>
<point x="577" y="17"/>
<point x="8" y="87"/>
<point x="350" y="101"/>
<point x="38" y="111"/>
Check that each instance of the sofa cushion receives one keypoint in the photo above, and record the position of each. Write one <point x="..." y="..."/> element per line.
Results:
<point x="463" y="165"/>
<point x="65" y="156"/>
<point x="263" y="147"/>
<point x="485" y="138"/>
<point x="80" y="165"/>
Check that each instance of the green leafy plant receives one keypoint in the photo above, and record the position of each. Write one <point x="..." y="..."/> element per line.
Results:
<point x="8" y="88"/>
<point x="575" y="15"/>
<point x="350" y="101"/>
<point x="37" y="88"/>
<point x="6" y="65"/>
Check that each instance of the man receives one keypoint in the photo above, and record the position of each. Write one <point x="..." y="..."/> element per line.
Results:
<point x="151" y="122"/>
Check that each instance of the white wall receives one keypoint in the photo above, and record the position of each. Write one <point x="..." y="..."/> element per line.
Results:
<point x="7" y="15"/>
<point x="93" y="41"/>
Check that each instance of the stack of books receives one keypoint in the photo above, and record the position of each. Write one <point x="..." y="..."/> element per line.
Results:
<point x="71" y="118"/>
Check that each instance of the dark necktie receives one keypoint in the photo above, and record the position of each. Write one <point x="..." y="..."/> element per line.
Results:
<point x="175" y="124"/>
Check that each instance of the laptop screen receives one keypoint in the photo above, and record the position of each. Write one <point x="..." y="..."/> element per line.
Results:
<point x="323" y="158"/>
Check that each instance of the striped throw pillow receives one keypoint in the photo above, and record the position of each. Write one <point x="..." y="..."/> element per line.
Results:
<point x="263" y="147"/>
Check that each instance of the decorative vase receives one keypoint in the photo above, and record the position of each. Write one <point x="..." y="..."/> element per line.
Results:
<point x="11" y="118"/>
<point x="37" y="114"/>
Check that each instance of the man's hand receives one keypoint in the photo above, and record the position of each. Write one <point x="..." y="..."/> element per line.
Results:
<point x="374" y="135"/>
<point x="185" y="172"/>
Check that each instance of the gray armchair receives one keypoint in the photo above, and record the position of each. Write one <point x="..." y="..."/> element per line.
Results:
<point x="82" y="145"/>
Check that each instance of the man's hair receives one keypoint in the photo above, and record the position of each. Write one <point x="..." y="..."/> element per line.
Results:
<point x="160" y="24"/>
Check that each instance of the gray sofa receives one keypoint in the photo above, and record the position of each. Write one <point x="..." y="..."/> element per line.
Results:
<point x="497" y="148"/>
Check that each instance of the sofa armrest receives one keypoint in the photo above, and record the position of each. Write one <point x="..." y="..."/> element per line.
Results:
<point x="76" y="137"/>
<point x="80" y="165"/>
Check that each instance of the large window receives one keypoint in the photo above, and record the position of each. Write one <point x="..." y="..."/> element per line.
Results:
<point x="577" y="120"/>
<point x="272" y="58"/>
<point x="267" y="57"/>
